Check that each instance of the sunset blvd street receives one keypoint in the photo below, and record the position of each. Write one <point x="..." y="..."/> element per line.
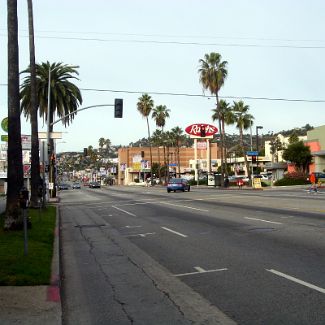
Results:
<point x="145" y="256"/>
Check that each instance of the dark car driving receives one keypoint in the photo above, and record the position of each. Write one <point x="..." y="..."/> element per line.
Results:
<point x="94" y="185"/>
<point x="178" y="184"/>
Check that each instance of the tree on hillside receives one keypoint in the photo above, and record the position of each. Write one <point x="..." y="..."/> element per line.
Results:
<point x="213" y="72"/>
<point x="299" y="154"/>
<point x="13" y="218"/>
<point x="293" y="138"/>
<point x="145" y="106"/>
<point x="275" y="146"/>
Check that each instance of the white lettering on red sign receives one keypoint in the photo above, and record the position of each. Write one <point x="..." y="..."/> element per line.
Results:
<point x="195" y="129"/>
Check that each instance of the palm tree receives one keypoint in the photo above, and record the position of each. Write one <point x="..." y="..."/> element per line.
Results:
<point x="13" y="219"/>
<point x="145" y="105"/>
<point x="225" y="113"/>
<point x="101" y="143"/>
<point x="213" y="73"/>
<point x="243" y="121"/>
<point x="157" y="141"/>
<point x="107" y="145"/>
<point x="177" y="134"/>
<point x="65" y="97"/>
<point x="35" y="161"/>
<point x="159" y="114"/>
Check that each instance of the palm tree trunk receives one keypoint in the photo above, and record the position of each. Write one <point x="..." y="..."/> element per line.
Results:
<point x="178" y="162"/>
<point x="15" y="178"/>
<point x="159" y="167"/>
<point x="165" y="163"/>
<point x="225" y="146"/>
<point x="244" y="152"/>
<point x="221" y="142"/>
<point x="35" y="163"/>
<point x="150" y="149"/>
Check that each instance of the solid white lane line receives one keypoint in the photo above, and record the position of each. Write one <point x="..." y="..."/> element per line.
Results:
<point x="174" y="232"/>
<point x="127" y="212"/>
<point x="291" y="278"/>
<point x="200" y="271"/>
<point x="256" y="219"/>
<point x="133" y="226"/>
<point x="184" y="206"/>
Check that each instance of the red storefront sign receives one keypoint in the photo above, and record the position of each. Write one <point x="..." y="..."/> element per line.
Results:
<point x="195" y="129"/>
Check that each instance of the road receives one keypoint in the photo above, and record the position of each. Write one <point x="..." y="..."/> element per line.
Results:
<point x="257" y="256"/>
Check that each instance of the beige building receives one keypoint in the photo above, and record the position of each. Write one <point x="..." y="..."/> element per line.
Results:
<point x="134" y="162"/>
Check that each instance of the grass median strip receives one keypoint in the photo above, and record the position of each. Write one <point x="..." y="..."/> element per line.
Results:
<point x="35" y="268"/>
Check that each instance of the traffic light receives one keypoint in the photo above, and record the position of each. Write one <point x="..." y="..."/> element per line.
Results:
<point x="254" y="159"/>
<point x="118" y="108"/>
<point x="202" y="130"/>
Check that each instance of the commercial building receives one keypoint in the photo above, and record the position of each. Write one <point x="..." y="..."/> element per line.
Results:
<point x="134" y="162"/>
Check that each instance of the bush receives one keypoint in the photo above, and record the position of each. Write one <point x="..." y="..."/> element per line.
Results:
<point x="287" y="181"/>
<point x="296" y="175"/>
<point x="201" y="182"/>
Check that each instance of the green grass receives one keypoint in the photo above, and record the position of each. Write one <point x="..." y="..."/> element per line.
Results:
<point x="35" y="268"/>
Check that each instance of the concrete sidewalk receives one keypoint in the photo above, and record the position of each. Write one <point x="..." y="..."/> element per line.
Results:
<point x="34" y="305"/>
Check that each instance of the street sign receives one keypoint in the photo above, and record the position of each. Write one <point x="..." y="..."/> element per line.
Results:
<point x="252" y="153"/>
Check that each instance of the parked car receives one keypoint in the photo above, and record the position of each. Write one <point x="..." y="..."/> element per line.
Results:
<point x="76" y="186"/>
<point x="64" y="186"/>
<point x="178" y="184"/>
<point x="94" y="185"/>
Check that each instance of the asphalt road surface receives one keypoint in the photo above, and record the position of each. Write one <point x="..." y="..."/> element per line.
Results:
<point x="257" y="256"/>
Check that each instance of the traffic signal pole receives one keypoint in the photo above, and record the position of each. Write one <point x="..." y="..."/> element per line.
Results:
<point x="118" y="113"/>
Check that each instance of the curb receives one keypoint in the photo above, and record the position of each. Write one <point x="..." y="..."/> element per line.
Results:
<point x="53" y="290"/>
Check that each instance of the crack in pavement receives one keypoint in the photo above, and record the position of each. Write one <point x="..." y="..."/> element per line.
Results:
<point x="106" y="276"/>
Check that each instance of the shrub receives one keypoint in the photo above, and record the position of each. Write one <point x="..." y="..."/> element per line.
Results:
<point x="287" y="181"/>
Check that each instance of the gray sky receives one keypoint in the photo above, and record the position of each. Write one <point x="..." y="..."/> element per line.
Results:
<point x="274" y="49"/>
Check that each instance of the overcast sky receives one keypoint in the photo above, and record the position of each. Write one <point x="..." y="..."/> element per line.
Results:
<point x="275" y="50"/>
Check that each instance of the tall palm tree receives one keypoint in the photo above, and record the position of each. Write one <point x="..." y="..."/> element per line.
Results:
<point x="65" y="97"/>
<point x="157" y="141"/>
<point x="13" y="219"/>
<point x="35" y="161"/>
<point x="225" y="113"/>
<point x="101" y="143"/>
<point x="177" y="134"/>
<point x="107" y="145"/>
<point x="159" y="114"/>
<point x="145" y="106"/>
<point x="243" y="121"/>
<point x="213" y="72"/>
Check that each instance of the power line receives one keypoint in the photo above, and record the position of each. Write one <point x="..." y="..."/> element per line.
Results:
<point x="184" y="43"/>
<point x="205" y="96"/>
<point x="176" y="36"/>
<point x="139" y="41"/>
<point x="201" y="95"/>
